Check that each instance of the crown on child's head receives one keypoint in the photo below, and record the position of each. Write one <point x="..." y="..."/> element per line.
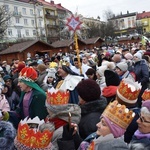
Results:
<point x="119" y="114"/>
<point x="53" y="65"/>
<point x="146" y="95"/>
<point x="57" y="97"/>
<point x="29" y="135"/>
<point x="128" y="90"/>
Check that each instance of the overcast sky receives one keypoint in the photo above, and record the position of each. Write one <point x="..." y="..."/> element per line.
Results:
<point x="94" y="8"/>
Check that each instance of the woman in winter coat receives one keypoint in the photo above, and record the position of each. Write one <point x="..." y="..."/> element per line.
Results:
<point x="141" y="138"/>
<point x="109" y="130"/>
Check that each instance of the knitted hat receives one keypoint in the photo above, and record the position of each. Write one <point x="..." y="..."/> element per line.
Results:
<point x="111" y="78"/>
<point x="7" y="135"/>
<point x="128" y="91"/>
<point x="41" y="67"/>
<point x="101" y="69"/>
<point x="122" y="66"/>
<point x="88" y="90"/>
<point x="128" y="56"/>
<point x="138" y="55"/>
<point x="6" y="77"/>
<point x="28" y="75"/>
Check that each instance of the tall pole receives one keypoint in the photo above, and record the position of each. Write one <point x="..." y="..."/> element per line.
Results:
<point x="77" y="50"/>
<point x="36" y="26"/>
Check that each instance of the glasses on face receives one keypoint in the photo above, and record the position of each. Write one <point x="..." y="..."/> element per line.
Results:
<point x="142" y="119"/>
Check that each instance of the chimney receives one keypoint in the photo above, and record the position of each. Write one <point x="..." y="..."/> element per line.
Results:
<point x="52" y="2"/>
<point x="143" y="12"/>
<point x="59" y="4"/>
<point x="127" y="12"/>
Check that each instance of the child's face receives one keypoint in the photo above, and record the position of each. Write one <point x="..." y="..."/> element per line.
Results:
<point x="50" y="79"/>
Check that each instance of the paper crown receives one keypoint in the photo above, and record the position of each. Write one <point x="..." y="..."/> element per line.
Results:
<point x="28" y="74"/>
<point x="57" y="97"/>
<point x="29" y="135"/>
<point x="128" y="91"/>
<point x="53" y="65"/>
<point x="146" y="95"/>
<point x="64" y="63"/>
<point x="119" y="114"/>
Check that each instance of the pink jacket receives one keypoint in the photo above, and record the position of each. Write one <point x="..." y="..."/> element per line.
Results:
<point x="4" y="105"/>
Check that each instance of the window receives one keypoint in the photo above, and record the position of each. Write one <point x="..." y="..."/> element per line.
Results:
<point x="27" y="32"/>
<point x="16" y="10"/>
<point x="39" y="12"/>
<point x="19" y="33"/>
<point x="6" y="8"/>
<point x="25" y="22"/>
<point x="129" y="22"/>
<point x="24" y="11"/>
<point x="40" y="23"/>
<point x="31" y="12"/>
<point x="10" y="32"/>
<point x="32" y="22"/>
<point x="34" y="32"/>
<point x="17" y="20"/>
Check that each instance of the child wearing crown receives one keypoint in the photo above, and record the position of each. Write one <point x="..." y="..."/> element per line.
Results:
<point x="112" y="125"/>
<point x="59" y="110"/>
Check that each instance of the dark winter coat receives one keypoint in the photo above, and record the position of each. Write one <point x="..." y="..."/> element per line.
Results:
<point x="36" y="107"/>
<point x="139" y="144"/>
<point x="90" y="116"/>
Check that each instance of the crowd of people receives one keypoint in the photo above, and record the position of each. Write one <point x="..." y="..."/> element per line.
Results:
<point x="97" y="100"/>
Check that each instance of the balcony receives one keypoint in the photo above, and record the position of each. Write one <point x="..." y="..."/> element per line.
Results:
<point x="49" y="16"/>
<point x="18" y="25"/>
<point x="52" y="26"/>
<point x="17" y="14"/>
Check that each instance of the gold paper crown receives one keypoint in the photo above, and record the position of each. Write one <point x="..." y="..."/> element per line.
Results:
<point x="57" y="97"/>
<point x="53" y="65"/>
<point x="64" y="63"/>
<point x="30" y="137"/>
<point x="128" y="90"/>
<point x="146" y="95"/>
<point x="119" y="114"/>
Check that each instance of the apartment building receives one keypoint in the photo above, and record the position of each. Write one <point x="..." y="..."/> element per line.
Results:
<point x="125" y="23"/>
<point x="27" y="21"/>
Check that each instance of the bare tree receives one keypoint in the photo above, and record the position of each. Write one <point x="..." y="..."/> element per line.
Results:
<point x="4" y="18"/>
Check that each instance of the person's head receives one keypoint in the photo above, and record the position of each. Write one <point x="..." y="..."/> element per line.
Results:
<point x="121" y="68"/>
<point x="91" y="74"/>
<point x="111" y="78"/>
<point x="115" y="119"/>
<point x="36" y="129"/>
<point x="76" y="63"/>
<point x="84" y="60"/>
<point x="8" y="80"/>
<point x="88" y="91"/>
<point x="27" y="78"/>
<point x="137" y="56"/>
<point x="144" y="118"/>
<point x="116" y="58"/>
<point x="127" y="92"/>
<point x="7" y="135"/>
<point x="128" y="56"/>
<point x="64" y="69"/>
<point x="100" y="71"/>
<point x="41" y="68"/>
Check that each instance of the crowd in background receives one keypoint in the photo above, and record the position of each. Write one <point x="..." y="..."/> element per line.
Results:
<point x="93" y="80"/>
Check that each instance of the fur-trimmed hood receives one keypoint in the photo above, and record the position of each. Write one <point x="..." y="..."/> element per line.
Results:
<point x="7" y="136"/>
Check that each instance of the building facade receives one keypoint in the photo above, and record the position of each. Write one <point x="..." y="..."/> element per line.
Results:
<point x="27" y="20"/>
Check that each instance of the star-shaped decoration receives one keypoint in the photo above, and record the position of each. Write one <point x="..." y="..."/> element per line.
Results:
<point x="73" y="23"/>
